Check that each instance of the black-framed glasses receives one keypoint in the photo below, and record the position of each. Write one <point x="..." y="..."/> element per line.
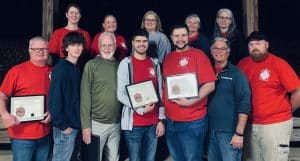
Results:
<point x="39" y="49"/>
<point x="224" y="18"/>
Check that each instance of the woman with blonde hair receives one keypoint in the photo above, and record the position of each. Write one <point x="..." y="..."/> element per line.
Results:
<point x="159" y="44"/>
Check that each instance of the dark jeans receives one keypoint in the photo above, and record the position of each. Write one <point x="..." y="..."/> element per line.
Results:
<point x="141" y="143"/>
<point x="185" y="140"/>
<point x="220" y="149"/>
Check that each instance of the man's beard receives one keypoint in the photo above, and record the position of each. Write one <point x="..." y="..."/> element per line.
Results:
<point x="107" y="55"/>
<point x="257" y="55"/>
<point x="181" y="48"/>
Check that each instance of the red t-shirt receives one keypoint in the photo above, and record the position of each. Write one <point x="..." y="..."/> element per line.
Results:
<point x="55" y="43"/>
<point x="270" y="81"/>
<point x="144" y="70"/>
<point x="121" y="51"/>
<point x="27" y="79"/>
<point x="190" y="61"/>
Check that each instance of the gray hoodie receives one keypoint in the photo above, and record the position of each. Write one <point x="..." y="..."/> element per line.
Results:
<point x="125" y="76"/>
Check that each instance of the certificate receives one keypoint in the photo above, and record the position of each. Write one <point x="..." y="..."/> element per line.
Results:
<point x="142" y="93"/>
<point x="28" y="108"/>
<point x="183" y="85"/>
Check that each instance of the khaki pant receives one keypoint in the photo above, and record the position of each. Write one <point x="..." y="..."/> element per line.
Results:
<point x="268" y="142"/>
<point x="109" y="140"/>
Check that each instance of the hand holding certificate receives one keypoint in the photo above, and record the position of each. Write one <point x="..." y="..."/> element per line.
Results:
<point x="182" y="86"/>
<point x="28" y="108"/>
<point x="141" y="94"/>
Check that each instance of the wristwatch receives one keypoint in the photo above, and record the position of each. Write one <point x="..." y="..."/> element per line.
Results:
<point x="238" y="134"/>
<point x="162" y="121"/>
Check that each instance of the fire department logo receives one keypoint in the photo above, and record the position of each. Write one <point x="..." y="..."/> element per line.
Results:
<point x="152" y="72"/>
<point x="264" y="75"/>
<point x="183" y="62"/>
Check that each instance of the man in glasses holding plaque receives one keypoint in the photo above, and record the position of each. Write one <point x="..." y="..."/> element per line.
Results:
<point x="30" y="141"/>
<point x="228" y="106"/>
<point x="141" y="124"/>
<point x="189" y="78"/>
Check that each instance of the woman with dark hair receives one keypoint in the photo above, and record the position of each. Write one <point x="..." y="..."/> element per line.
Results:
<point x="109" y="24"/>
<point x="225" y="26"/>
<point x="73" y="15"/>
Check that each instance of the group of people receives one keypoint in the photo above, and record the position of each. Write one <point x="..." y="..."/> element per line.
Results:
<point x="247" y="107"/>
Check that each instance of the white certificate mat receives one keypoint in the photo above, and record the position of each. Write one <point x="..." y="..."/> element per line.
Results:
<point x="28" y="108"/>
<point x="142" y="93"/>
<point x="182" y="86"/>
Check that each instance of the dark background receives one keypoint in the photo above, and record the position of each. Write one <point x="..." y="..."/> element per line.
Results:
<point x="23" y="18"/>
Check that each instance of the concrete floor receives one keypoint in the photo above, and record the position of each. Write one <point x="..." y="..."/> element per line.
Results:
<point x="5" y="155"/>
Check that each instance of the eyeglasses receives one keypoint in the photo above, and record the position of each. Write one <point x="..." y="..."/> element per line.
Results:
<point x="106" y="45"/>
<point x="38" y="50"/>
<point x="224" y="18"/>
<point x="219" y="49"/>
<point x="150" y="20"/>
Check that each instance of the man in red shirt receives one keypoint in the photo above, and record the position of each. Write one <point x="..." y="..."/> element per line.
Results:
<point x="141" y="125"/>
<point x="271" y="80"/>
<point x="29" y="140"/>
<point x="186" y="123"/>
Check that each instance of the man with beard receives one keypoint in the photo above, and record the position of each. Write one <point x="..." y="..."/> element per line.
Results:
<point x="186" y="123"/>
<point x="143" y="125"/>
<point x="100" y="109"/>
<point x="272" y="81"/>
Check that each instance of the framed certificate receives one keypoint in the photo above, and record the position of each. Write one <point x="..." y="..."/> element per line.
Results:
<point x="28" y="108"/>
<point x="142" y="93"/>
<point x="183" y="85"/>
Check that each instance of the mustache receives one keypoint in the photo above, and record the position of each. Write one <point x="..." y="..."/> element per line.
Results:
<point x="255" y="50"/>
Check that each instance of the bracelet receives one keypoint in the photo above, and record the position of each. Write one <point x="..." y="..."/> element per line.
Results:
<point x="238" y="134"/>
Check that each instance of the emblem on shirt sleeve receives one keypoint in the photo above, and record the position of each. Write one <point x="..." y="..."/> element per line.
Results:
<point x="183" y="62"/>
<point x="264" y="75"/>
<point x="49" y="75"/>
<point x="123" y="45"/>
<point x="152" y="72"/>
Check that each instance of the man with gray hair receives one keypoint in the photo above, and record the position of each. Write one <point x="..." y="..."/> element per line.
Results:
<point x="100" y="109"/>
<point x="228" y="106"/>
<point x="30" y="141"/>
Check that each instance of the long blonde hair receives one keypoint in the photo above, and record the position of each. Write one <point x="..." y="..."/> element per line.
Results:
<point x="158" y="22"/>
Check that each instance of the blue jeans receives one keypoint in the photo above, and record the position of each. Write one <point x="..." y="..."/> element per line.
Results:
<point x="63" y="144"/>
<point x="141" y="143"/>
<point x="31" y="149"/>
<point x="185" y="140"/>
<point x="220" y="149"/>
